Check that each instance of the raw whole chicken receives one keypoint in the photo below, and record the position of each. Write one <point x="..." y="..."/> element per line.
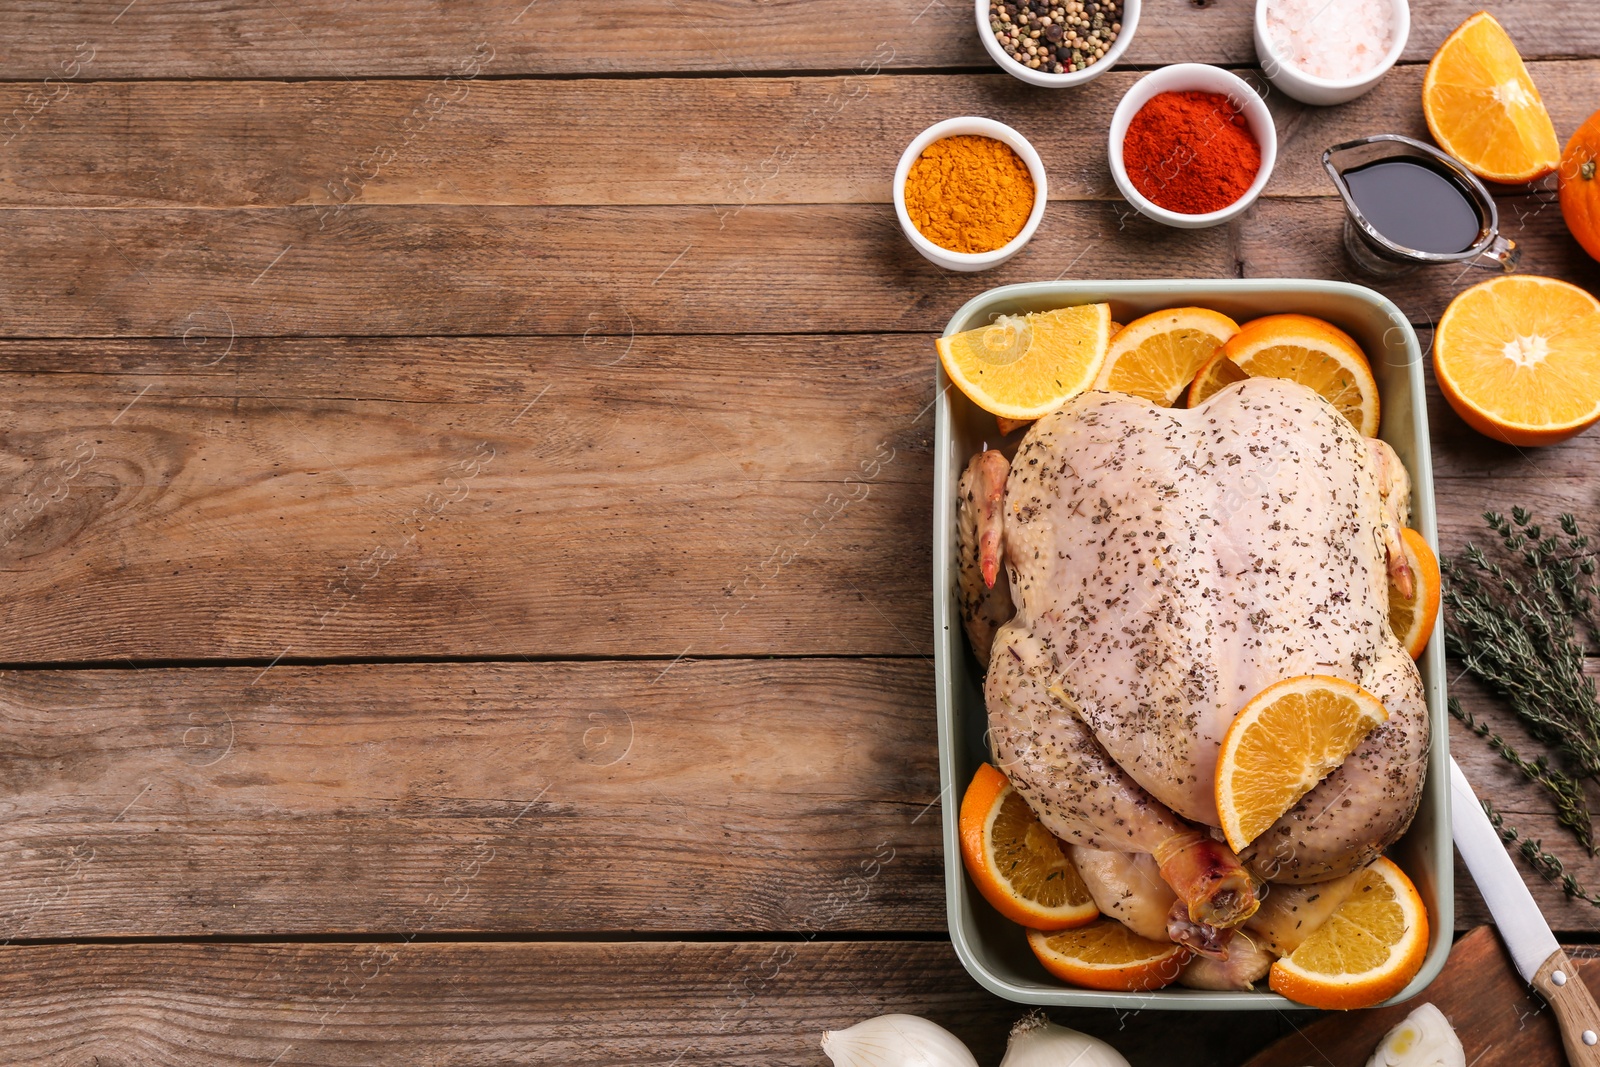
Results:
<point x="1136" y="575"/>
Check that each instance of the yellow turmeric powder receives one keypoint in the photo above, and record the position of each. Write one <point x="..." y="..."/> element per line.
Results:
<point x="969" y="194"/>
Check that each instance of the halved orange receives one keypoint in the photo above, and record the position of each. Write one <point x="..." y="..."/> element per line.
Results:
<point x="1025" y="366"/>
<point x="1412" y="617"/>
<point x="1316" y="354"/>
<point x="1216" y="375"/>
<point x="1289" y="737"/>
<point x="1107" y="955"/>
<point x="1016" y="863"/>
<point x="1518" y="357"/>
<point x="1483" y="108"/>
<point x="1157" y="355"/>
<point x="1366" y="952"/>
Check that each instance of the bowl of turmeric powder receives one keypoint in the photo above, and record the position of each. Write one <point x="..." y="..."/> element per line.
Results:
<point x="969" y="193"/>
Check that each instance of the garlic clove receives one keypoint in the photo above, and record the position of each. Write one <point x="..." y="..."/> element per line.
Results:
<point x="1424" y="1038"/>
<point x="896" y="1041"/>
<point x="1037" y="1042"/>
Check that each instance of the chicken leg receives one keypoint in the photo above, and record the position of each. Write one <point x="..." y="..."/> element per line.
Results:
<point x="1083" y="797"/>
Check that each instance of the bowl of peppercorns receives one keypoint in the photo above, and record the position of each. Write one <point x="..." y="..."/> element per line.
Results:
<point x="1056" y="43"/>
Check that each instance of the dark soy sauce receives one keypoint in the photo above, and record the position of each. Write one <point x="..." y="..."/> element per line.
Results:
<point x="1415" y="206"/>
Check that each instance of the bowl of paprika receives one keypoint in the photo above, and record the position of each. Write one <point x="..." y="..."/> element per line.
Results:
<point x="1192" y="145"/>
<point x="969" y="193"/>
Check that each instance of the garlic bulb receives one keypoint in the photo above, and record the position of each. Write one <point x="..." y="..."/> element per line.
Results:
<point x="896" y="1041"/>
<point x="1424" y="1038"/>
<point x="1037" y="1042"/>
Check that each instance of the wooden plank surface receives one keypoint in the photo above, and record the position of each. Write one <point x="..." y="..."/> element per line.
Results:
<point x="1302" y="239"/>
<point x="434" y="497"/>
<point x="798" y="796"/>
<point x="325" y="39"/>
<point x="395" y="270"/>
<point x="731" y="142"/>
<point x="765" y="1003"/>
<point x="1524" y="806"/>
<point x="208" y="498"/>
<point x="1499" y="1021"/>
<point x="528" y="270"/>
<point x="721" y="795"/>
<point x="476" y="332"/>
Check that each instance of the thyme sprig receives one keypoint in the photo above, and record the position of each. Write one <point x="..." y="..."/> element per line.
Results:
<point x="1547" y="865"/>
<point x="1520" y="626"/>
<point x="1519" y="633"/>
<point x="1572" y="807"/>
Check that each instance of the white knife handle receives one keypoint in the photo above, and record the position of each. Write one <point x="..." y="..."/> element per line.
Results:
<point x="1558" y="982"/>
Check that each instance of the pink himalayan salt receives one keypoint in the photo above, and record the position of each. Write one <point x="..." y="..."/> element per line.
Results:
<point x="1335" y="39"/>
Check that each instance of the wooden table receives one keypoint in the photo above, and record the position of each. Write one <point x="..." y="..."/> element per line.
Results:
<point x="435" y="628"/>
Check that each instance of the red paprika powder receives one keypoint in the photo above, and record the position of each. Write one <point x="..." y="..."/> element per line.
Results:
<point x="1191" y="152"/>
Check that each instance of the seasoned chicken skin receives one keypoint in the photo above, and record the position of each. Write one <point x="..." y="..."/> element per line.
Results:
<point x="1166" y="565"/>
<point x="1126" y="886"/>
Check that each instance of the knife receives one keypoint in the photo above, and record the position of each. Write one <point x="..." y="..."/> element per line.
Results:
<point x="1534" y="951"/>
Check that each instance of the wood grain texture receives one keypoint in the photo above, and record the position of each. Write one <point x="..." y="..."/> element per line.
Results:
<point x="396" y="270"/>
<point x="1474" y="474"/>
<point x="582" y="496"/>
<point x="1395" y="106"/>
<point x="321" y="38"/>
<point x="1573" y="1007"/>
<point x="552" y="271"/>
<point x="721" y="795"/>
<point x="1524" y="807"/>
<point x="644" y="397"/>
<point x="752" y="1003"/>
<point x="1499" y="1021"/>
<point x="1302" y="238"/>
<point x="525" y="270"/>
<point x="799" y="796"/>
<point x="656" y="141"/>
<point x="184" y="499"/>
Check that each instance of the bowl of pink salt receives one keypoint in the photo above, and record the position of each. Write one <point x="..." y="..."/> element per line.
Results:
<point x="1327" y="53"/>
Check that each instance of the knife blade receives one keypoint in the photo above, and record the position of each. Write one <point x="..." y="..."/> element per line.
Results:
<point x="1534" y="950"/>
<point x="1521" y="924"/>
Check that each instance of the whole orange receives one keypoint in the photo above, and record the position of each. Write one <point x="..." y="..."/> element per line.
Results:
<point x="1580" y="186"/>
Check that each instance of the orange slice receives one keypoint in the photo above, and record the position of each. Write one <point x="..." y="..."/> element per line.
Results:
<point x="1286" y="319"/>
<point x="1025" y="366"/>
<point x="1157" y="355"/>
<point x="1316" y="354"/>
<point x="1215" y="376"/>
<point x="1366" y="952"/>
<point x="1107" y="955"/>
<point x="1412" y="617"/>
<point x="1518" y="357"/>
<point x="1016" y="863"/>
<point x="1483" y="108"/>
<point x="1289" y="737"/>
<point x="1011" y="426"/>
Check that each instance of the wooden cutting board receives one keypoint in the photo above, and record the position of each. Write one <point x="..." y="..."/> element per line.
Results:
<point x="1501" y="1022"/>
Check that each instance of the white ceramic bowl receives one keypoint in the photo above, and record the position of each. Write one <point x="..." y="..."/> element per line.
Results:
<point x="969" y="124"/>
<point x="1185" y="77"/>
<point x="1130" y="22"/>
<point x="1308" y="89"/>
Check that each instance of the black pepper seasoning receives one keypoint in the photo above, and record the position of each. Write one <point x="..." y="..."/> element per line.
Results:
<point x="1056" y="36"/>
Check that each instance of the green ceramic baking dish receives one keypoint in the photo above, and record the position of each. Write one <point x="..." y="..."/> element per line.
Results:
<point x="994" y="949"/>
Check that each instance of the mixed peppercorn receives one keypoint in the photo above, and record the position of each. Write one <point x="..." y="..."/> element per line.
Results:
<point x="1056" y="36"/>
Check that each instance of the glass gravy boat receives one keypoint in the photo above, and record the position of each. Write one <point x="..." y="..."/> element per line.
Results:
<point x="1380" y="254"/>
